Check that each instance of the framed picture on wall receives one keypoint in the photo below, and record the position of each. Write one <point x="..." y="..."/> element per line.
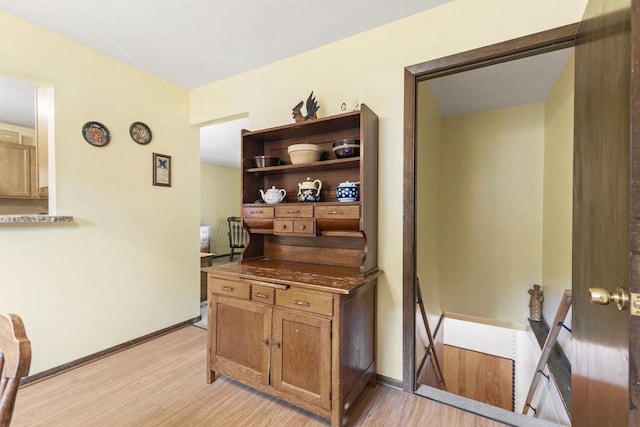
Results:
<point x="161" y="170"/>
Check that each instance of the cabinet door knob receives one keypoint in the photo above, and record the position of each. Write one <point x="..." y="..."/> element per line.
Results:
<point x="265" y="341"/>
<point x="293" y="211"/>
<point x="302" y="227"/>
<point x="335" y="212"/>
<point x="283" y="226"/>
<point x="276" y="344"/>
<point x="259" y="295"/>
<point x="227" y="288"/>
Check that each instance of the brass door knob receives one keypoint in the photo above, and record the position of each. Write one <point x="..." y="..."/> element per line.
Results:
<point x="603" y="297"/>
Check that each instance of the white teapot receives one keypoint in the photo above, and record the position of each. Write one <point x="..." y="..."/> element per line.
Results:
<point x="273" y="195"/>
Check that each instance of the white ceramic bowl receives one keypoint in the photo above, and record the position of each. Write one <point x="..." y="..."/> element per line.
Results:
<point x="304" y="153"/>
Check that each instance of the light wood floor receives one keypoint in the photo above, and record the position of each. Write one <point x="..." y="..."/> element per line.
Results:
<point x="162" y="383"/>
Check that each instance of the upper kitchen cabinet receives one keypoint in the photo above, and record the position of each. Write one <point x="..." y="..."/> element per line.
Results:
<point x="18" y="171"/>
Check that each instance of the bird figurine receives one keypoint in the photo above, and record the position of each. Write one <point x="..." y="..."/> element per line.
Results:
<point x="312" y="109"/>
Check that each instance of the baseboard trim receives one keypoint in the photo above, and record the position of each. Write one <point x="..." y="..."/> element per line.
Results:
<point x="389" y="382"/>
<point x="31" y="379"/>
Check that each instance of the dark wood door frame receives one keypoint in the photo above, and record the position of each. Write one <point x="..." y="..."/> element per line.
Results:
<point x="546" y="41"/>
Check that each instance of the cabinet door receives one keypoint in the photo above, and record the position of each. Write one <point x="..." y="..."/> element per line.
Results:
<point x="302" y="356"/>
<point x="15" y="169"/>
<point x="240" y="333"/>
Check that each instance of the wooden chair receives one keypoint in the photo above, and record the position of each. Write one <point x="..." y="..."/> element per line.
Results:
<point x="15" y="361"/>
<point x="237" y="237"/>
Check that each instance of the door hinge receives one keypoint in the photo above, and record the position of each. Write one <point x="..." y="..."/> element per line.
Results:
<point x="635" y="304"/>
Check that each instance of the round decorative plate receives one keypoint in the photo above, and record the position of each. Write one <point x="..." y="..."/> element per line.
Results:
<point x="95" y="133"/>
<point x="140" y="133"/>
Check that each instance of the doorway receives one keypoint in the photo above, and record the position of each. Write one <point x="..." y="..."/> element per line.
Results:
<point x="220" y="191"/>
<point x="536" y="44"/>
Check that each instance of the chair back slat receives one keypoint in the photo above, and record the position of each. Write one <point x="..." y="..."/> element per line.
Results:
<point x="15" y="361"/>
<point x="237" y="235"/>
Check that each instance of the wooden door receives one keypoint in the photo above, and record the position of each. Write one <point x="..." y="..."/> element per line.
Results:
<point x="606" y="217"/>
<point x="302" y="356"/>
<point x="240" y="338"/>
<point x="479" y="376"/>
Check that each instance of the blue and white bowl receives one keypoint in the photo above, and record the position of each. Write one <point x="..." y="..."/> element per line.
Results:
<point x="348" y="191"/>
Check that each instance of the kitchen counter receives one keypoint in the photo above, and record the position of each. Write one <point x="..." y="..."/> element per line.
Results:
<point x="16" y="219"/>
<point x="339" y="280"/>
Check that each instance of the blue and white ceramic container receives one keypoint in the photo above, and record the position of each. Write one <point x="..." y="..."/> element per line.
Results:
<point x="348" y="191"/>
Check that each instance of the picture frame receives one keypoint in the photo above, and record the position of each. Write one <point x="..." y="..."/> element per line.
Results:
<point x="161" y="170"/>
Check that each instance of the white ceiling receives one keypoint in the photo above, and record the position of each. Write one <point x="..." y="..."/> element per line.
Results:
<point x="220" y="142"/>
<point x="519" y="82"/>
<point x="17" y="102"/>
<point x="194" y="42"/>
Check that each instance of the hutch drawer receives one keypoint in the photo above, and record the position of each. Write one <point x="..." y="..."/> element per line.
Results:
<point x="295" y="211"/>
<point x="257" y="212"/>
<point x="229" y="288"/>
<point x="298" y="227"/>
<point x="258" y="217"/>
<point x="263" y="294"/>
<point x="337" y="212"/>
<point x="305" y="301"/>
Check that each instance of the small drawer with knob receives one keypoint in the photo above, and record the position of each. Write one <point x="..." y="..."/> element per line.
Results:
<point x="294" y="211"/>
<point x="257" y="217"/>
<point x="294" y="227"/>
<point x="263" y="294"/>
<point x="334" y="217"/>
<point x="340" y="211"/>
<point x="319" y="303"/>
<point x="229" y="288"/>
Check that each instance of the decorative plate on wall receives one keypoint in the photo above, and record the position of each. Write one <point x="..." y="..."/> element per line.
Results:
<point x="140" y="133"/>
<point x="95" y="133"/>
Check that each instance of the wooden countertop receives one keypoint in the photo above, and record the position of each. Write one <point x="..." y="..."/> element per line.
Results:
<point x="320" y="277"/>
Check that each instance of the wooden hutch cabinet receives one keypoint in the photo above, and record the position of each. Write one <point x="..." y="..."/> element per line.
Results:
<point x="295" y="317"/>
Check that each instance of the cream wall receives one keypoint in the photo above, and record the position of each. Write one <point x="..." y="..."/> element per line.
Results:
<point x="128" y="265"/>
<point x="491" y="211"/>
<point x="370" y="67"/>
<point x="220" y="198"/>
<point x="558" y="195"/>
